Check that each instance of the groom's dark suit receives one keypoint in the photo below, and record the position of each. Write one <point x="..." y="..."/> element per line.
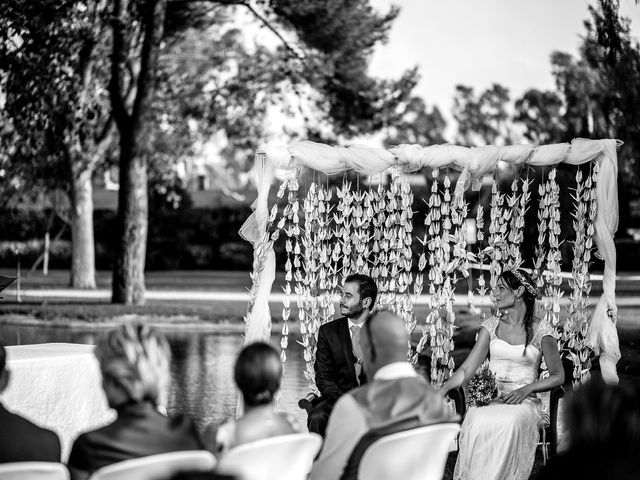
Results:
<point x="335" y="370"/>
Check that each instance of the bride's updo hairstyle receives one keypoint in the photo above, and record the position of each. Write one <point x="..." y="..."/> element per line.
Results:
<point x="258" y="373"/>
<point x="519" y="278"/>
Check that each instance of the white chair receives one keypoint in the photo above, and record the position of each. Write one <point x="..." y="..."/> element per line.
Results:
<point x="157" y="467"/>
<point x="416" y="454"/>
<point x="285" y="457"/>
<point x="33" y="471"/>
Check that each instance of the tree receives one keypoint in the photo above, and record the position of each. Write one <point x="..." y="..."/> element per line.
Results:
<point x="417" y="124"/>
<point x="339" y="37"/>
<point x="52" y="61"/>
<point x="611" y="51"/>
<point x="540" y="112"/>
<point x="600" y="92"/>
<point x="482" y="120"/>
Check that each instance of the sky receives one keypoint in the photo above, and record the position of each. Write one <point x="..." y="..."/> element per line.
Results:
<point x="480" y="42"/>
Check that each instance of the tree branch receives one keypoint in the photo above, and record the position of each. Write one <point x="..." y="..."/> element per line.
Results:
<point x="104" y="141"/>
<point x="120" y="113"/>
<point x="267" y="24"/>
<point x="153" y="27"/>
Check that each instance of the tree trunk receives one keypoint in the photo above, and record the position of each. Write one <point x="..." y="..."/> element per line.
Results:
<point x="83" y="270"/>
<point x="128" y="273"/>
<point x="135" y="134"/>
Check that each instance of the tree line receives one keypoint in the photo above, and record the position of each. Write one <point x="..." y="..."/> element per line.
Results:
<point x="89" y="84"/>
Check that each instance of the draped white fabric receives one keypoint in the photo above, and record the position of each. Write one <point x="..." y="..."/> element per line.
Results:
<point x="254" y="231"/>
<point x="602" y="335"/>
<point x="474" y="163"/>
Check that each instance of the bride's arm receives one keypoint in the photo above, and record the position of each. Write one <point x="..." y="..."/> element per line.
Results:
<point x="555" y="378"/>
<point x="470" y="365"/>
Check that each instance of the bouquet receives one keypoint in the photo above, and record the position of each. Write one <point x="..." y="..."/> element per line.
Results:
<point x="482" y="387"/>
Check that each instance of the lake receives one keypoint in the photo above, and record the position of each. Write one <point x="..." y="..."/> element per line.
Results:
<point x="202" y="368"/>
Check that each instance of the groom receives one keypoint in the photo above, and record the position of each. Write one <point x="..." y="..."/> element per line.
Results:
<point x="338" y="364"/>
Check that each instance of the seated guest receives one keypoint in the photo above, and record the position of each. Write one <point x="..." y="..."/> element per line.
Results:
<point x="21" y="440"/>
<point x="258" y="373"/>
<point x="338" y="363"/>
<point x="396" y="395"/>
<point x="603" y="427"/>
<point x="134" y="360"/>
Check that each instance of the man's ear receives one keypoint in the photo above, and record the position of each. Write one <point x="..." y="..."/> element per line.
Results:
<point x="366" y="303"/>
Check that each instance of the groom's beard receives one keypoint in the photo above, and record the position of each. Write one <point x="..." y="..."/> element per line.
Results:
<point x="353" y="312"/>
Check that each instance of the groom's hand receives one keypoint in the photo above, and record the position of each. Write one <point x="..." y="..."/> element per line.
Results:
<point x="517" y="396"/>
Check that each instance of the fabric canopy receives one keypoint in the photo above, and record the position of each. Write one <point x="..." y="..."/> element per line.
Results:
<point x="473" y="163"/>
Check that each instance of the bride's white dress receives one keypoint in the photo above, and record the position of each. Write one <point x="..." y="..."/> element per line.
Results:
<point x="498" y="441"/>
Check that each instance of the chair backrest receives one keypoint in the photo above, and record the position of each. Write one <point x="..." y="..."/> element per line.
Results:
<point x="416" y="454"/>
<point x="157" y="467"/>
<point x="285" y="457"/>
<point x="33" y="471"/>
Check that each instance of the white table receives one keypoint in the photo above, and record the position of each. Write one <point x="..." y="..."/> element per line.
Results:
<point x="57" y="386"/>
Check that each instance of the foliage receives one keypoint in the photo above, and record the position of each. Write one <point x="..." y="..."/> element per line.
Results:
<point x="484" y="119"/>
<point x="417" y="124"/>
<point x="52" y="66"/>
<point x="341" y="35"/>
<point x="540" y="112"/>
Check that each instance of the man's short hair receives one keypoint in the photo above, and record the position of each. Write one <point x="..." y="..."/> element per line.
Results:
<point x="366" y="286"/>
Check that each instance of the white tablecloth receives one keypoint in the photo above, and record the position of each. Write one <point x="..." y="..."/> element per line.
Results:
<point x="57" y="386"/>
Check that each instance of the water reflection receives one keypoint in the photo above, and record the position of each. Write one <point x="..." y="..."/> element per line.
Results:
<point x="202" y="368"/>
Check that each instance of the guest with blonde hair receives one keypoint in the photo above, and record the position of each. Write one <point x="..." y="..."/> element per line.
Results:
<point x="135" y="364"/>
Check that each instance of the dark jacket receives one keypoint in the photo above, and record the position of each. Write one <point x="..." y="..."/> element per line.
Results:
<point x="140" y="430"/>
<point x="23" y="441"/>
<point x="335" y="361"/>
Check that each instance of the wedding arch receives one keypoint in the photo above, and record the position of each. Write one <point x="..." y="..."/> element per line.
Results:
<point x="360" y="227"/>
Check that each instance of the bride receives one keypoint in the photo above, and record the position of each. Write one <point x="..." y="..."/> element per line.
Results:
<point x="498" y="441"/>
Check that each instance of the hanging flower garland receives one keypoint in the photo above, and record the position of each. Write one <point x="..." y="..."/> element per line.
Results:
<point x="517" y="203"/>
<point x="575" y="328"/>
<point x="342" y="249"/>
<point x="361" y="232"/>
<point x="308" y="307"/>
<point x="445" y="323"/>
<point x="482" y="289"/>
<point x="497" y="233"/>
<point x="439" y="328"/>
<point x="380" y="247"/>
<point x="540" y="251"/>
<point x="432" y="233"/>
<point x="461" y="257"/>
<point x="553" y="280"/>
<point x="327" y="271"/>
<point x="401" y="254"/>
<point x="289" y="224"/>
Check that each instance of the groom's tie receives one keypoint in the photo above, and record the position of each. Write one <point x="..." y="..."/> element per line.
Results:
<point x="357" y="351"/>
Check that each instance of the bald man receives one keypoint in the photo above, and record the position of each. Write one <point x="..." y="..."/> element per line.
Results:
<point x="397" y="396"/>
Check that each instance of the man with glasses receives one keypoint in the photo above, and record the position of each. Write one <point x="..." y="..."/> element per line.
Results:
<point x="395" y="396"/>
<point x="338" y="364"/>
